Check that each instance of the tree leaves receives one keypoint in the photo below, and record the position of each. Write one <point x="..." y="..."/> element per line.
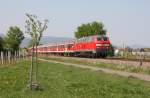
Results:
<point x="13" y="38"/>
<point x="94" y="28"/>
<point x="35" y="28"/>
<point x="1" y="43"/>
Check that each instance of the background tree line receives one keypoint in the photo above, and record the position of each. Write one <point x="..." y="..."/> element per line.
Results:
<point x="12" y="40"/>
<point x="93" y="28"/>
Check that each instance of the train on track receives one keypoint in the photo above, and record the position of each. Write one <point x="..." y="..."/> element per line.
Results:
<point x="91" y="46"/>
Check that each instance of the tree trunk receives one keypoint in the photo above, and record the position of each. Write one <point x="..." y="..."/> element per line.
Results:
<point x="36" y="70"/>
<point x="31" y="67"/>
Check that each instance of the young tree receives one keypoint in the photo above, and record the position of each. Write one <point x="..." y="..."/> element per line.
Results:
<point x="35" y="29"/>
<point x="94" y="28"/>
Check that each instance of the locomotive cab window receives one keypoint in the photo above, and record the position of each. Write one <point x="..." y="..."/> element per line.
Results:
<point x="105" y="38"/>
<point x="99" y="38"/>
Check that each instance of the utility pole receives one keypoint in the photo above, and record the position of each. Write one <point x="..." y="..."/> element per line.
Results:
<point x="123" y="49"/>
<point x="141" y="56"/>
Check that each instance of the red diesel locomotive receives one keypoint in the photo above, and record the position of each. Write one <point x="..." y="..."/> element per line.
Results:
<point x="91" y="46"/>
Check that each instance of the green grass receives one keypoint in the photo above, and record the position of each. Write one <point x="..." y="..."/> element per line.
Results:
<point x="83" y="61"/>
<point x="60" y="81"/>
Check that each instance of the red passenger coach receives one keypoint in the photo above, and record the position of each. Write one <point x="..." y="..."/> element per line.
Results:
<point x="61" y="47"/>
<point x="92" y="46"/>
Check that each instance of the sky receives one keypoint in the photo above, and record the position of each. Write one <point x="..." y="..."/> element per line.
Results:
<point x="126" y="21"/>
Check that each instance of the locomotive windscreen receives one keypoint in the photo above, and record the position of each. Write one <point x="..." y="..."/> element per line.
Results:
<point x="105" y="38"/>
<point x="99" y="38"/>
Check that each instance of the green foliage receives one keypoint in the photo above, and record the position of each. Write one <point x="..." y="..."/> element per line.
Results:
<point x="94" y="28"/>
<point x="60" y="81"/>
<point x="35" y="28"/>
<point x="111" y="50"/>
<point x="1" y="43"/>
<point x="91" y="62"/>
<point x="13" y="38"/>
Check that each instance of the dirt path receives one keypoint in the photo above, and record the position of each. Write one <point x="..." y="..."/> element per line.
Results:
<point x="110" y="71"/>
<point x="112" y="61"/>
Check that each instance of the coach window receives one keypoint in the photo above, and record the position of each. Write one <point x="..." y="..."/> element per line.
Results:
<point x="70" y="45"/>
<point x="90" y="39"/>
<point x="87" y="39"/>
<point x="84" y="39"/>
<point x="79" y="40"/>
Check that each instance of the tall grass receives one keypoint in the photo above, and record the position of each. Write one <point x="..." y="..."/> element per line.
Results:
<point x="128" y="68"/>
<point x="60" y="81"/>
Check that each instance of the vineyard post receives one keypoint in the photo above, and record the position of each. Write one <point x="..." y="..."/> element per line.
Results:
<point x="2" y="57"/>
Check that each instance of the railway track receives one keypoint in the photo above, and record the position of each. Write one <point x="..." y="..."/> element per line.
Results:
<point x="119" y="59"/>
<point x="126" y="59"/>
<point x="110" y="60"/>
<point x="106" y="70"/>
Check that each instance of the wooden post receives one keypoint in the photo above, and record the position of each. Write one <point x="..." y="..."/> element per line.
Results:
<point x="24" y="52"/>
<point x="2" y="57"/>
<point x="9" y="56"/>
<point x="23" y="55"/>
<point x="16" y="55"/>
<point x="31" y="68"/>
<point x="6" y="56"/>
<point x="36" y="61"/>
<point x="19" y="58"/>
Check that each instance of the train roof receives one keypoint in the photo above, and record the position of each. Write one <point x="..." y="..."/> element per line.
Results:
<point x="58" y="43"/>
<point x="70" y="41"/>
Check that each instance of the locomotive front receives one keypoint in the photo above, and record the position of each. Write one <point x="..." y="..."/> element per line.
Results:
<point x="102" y="45"/>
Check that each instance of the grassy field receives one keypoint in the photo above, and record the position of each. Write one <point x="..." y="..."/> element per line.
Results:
<point x="60" y="81"/>
<point x="83" y="61"/>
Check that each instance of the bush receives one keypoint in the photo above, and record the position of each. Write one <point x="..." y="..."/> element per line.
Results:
<point x="111" y="50"/>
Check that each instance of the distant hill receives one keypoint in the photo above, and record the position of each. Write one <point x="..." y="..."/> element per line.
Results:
<point x="135" y="46"/>
<point x="139" y="46"/>
<point x="45" y="40"/>
<point x="1" y="35"/>
<point x="25" y="42"/>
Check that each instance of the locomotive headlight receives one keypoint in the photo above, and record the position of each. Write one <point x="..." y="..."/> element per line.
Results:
<point x="106" y="45"/>
<point x="98" y="45"/>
